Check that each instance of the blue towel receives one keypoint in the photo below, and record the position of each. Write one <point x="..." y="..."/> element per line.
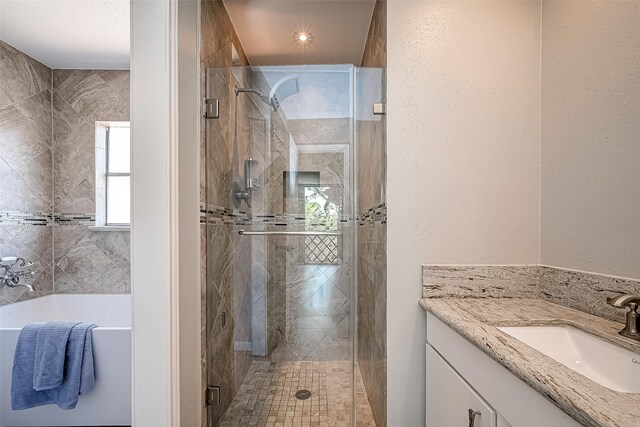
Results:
<point x="50" y="354"/>
<point x="34" y="343"/>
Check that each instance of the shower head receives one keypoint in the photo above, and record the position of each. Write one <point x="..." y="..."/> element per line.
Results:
<point x="285" y="87"/>
<point x="270" y="101"/>
<point x="273" y="102"/>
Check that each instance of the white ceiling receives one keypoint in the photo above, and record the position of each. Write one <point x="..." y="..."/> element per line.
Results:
<point x="265" y="29"/>
<point x="69" y="33"/>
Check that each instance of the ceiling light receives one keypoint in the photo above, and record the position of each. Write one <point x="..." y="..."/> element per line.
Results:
<point x="302" y="37"/>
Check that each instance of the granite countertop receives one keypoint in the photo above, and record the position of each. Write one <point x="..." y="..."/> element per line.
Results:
<point x="591" y="404"/>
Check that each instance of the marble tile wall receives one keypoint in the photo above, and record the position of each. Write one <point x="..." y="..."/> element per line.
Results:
<point x="226" y="294"/>
<point x="290" y="294"/>
<point x="85" y="261"/>
<point x="372" y="229"/>
<point x="26" y="182"/>
<point x="314" y="324"/>
<point x="47" y="175"/>
<point x="80" y="98"/>
<point x="372" y="307"/>
<point x="375" y="50"/>
<point x="580" y="290"/>
<point x="320" y="131"/>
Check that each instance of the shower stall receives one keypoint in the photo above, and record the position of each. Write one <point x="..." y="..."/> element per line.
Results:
<point x="280" y="208"/>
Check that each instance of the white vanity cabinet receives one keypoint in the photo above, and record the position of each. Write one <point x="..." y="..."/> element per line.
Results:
<point x="459" y="377"/>
<point x="450" y="400"/>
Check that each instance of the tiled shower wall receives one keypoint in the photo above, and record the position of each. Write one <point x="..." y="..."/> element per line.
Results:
<point x="26" y="179"/>
<point x="308" y="304"/>
<point x="47" y="175"/>
<point x="372" y="215"/>
<point x="226" y="296"/>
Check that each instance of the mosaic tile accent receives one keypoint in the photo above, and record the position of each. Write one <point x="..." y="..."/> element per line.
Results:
<point x="376" y="214"/>
<point x="267" y="396"/>
<point x="25" y="218"/>
<point x="220" y="215"/>
<point x="46" y="219"/>
<point x="88" y="219"/>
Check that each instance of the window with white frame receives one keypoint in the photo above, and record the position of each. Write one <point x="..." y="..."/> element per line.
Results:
<point x="113" y="174"/>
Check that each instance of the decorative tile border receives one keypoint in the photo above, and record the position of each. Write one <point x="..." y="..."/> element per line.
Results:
<point x="46" y="219"/>
<point x="375" y="214"/>
<point x="87" y="219"/>
<point x="25" y="218"/>
<point x="220" y="215"/>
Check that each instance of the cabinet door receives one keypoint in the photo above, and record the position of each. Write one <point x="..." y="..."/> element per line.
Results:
<point x="449" y="397"/>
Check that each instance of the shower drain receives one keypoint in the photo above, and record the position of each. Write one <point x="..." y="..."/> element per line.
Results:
<point x="303" y="394"/>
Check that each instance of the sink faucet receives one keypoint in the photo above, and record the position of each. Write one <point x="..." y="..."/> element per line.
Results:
<point x="632" y="328"/>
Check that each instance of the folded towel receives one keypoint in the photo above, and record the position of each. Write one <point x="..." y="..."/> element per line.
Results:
<point x="78" y="372"/>
<point x="50" y="353"/>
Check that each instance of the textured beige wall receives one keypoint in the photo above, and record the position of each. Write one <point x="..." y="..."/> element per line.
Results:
<point x="463" y="153"/>
<point x="466" y="93"/>
<point x="590" y="136"/>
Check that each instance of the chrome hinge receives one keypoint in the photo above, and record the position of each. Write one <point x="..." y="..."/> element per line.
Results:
<point x="379" y="108"/>
<point x="213" y="396"/>
<point x="210" y="108"/>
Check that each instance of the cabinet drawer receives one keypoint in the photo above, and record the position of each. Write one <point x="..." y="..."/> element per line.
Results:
<point x="449" y="397"/>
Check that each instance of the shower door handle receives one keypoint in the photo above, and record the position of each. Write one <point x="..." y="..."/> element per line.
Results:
<point x="472" y="417"/>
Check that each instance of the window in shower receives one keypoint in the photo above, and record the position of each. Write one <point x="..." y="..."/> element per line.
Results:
<point x="113" y="173"/>
<point x="321" y="212"/>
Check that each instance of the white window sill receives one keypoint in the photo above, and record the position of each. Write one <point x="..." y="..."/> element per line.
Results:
<point x="110" y="228"/>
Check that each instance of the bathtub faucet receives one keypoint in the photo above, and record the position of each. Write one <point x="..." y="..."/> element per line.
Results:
<point x="13" y="268"/>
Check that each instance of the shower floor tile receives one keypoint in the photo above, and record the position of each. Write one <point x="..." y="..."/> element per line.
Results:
<point x="267" y="396"/>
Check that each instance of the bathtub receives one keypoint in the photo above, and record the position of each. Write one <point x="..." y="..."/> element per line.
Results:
<point x="109" y="402"/>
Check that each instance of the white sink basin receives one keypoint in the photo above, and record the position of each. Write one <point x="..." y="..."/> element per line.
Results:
<point x="600" y="361"/>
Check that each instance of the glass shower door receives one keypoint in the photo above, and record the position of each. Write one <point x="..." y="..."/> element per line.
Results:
<point x="227" y="333"/>
<point x="280" y="245"/>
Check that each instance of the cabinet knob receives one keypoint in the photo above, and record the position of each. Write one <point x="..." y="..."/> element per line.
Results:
<point x="472" y="417"/>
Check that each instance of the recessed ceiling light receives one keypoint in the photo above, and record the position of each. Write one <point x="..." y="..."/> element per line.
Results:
<point x="302" y="37"/>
